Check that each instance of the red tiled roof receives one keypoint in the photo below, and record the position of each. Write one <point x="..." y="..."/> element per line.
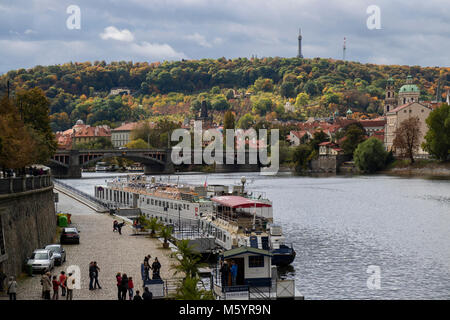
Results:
<point x="373" y="123"/>
<point x="126" y="126"/>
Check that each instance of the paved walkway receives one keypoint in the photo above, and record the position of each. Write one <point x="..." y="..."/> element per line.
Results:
<point x="112" y="251"/>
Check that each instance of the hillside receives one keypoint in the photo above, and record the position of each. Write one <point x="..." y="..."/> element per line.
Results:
<point x="315" y="87"/>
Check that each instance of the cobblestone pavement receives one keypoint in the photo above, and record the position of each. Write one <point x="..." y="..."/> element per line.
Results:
<point x="112" y="251"/>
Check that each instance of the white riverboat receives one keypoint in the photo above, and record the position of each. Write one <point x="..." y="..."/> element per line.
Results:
<point x="170" y="203"/>
<point x="229" y="214"/>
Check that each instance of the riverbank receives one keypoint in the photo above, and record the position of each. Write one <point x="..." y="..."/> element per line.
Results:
<point x="421" y="168"/>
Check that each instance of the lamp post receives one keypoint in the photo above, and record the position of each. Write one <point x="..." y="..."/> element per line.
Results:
<point x="243" y="181"/>
<point x="179" y="218"/>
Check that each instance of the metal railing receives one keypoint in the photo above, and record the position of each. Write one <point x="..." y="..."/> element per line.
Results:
<point x="88" y="197"/>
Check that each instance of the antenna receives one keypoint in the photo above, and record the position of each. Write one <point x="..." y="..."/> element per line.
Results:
<point x="343" y="50"/>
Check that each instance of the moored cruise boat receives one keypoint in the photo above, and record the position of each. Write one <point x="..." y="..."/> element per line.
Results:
<point x="230" y="215"/>
<point x="169" y="203"/>
<point x="243" y="221"/>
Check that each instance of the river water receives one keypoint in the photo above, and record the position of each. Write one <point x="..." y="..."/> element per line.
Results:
<point x="344" y="227"/>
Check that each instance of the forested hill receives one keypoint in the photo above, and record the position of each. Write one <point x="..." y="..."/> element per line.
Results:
<point x="315" y="87"/>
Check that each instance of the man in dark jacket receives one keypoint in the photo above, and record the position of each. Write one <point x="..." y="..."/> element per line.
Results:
<point x="148" y="295"/>
<point x="224" y="270"/>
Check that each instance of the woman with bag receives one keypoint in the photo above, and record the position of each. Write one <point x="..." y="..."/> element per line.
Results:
<point x="12" y="288"/>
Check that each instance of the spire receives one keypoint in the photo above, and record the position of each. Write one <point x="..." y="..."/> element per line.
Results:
<point x="343" y="50"/>
<point x="299" y="54"/>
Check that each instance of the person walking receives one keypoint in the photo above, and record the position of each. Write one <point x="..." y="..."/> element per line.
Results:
<point x="156" y="266"/>
<point x="12" y="288"/>
<point x="124" y="287"/>
<point x="119" y="227"/>
<point x="70" y="286"/>
<point x="224" y="270"/>
<point x="115" y="223"/>
<point x="148" y="295"/>
<point x="46" y="285"/>
<point x="63" y="283"/>
<point x="119" y="285"/>
<point x="96" y="271"/>
<point x="91" y="275"/>
<point x="55" y="284"/>
<point x="234" y="270"/>
<point x="130" y="288"/>
<point x="137" y="297"/>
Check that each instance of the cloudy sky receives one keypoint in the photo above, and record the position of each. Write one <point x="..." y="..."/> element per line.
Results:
<point x="32" y="32"/>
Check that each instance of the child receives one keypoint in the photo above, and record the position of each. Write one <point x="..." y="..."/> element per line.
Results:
<point x="130" y="287"/>
<point x="55" y="283"/>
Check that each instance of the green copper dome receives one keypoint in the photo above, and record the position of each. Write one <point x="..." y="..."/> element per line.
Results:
<point x="349" y="111"/>
<point x="409" y="88"/>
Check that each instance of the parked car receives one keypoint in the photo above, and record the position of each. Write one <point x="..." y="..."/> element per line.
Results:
<point x="70" y="235"/>
<point x="41" y="260"/>
<point x="59" y="254"/>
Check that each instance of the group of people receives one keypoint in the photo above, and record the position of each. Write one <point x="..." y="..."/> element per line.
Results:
<point x="125" y="285"/>
<point x="228" y="273"/>
<point x="118" y="226"/>
<point x="93" y="276"/>
<point x="156" y="267"/>
<point x="49" y="283"/>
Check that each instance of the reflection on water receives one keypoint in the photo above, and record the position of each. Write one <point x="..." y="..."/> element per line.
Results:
<point x="339" y="226"/>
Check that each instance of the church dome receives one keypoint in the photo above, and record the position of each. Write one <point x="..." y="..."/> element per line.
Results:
<point x="409" y="88"/>
<point x="79" y="122"/>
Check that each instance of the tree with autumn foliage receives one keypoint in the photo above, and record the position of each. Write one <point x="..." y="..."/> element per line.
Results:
<point x="17" y="145"/>
<point x="407" y="138"/>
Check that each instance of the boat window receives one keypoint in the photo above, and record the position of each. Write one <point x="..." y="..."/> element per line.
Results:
<point x="256" y="261"/>
<point x="184" y="205"/>
<point x="148" y="201"/>
<point x="153" y="202"/>
<point x="187" y="207"/>
<point x="171" y="205"/>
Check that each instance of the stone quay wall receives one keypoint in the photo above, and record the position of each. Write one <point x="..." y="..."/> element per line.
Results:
<point x="27" y="219"/>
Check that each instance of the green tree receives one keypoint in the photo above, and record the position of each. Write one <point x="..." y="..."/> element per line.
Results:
<point x="287" y="89"/>
<point x="437" y="138"/>
<point x="137" y="144"/>
<point x="228" y="120"/>
<point x="34" y="109"/>
<point x="262" y="84"/>
<point x="370" y="155"/>
<point x="262" y="105"/>
<point x="301" y="156"/>
<point x="354" y="135"/>
<point x="302" y="99"/>
<point x="246" y="121"/>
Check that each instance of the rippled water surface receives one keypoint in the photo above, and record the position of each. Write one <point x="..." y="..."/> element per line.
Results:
<point x="342" y="225"/>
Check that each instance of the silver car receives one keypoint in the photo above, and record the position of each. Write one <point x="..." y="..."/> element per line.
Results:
<point x="41" y="260"/>
<point x="59" y="254"/>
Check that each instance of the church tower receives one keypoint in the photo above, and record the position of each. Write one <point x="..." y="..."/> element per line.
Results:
<point x="299" y="54"/>
<point x="389" y="100"/>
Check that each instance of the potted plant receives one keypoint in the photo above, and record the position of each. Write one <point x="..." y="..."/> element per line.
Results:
<point x="166" y="233"/>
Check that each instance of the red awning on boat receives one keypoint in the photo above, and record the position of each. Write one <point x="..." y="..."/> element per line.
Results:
<point x="239" y="202"/>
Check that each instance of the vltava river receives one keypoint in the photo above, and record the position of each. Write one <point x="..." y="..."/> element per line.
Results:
<point x="340" y="226"/>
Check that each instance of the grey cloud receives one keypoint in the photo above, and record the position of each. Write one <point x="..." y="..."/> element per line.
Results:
<point x="413" y="32"/>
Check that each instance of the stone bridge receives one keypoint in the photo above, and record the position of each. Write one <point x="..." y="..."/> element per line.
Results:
<point x="68" y="163"/>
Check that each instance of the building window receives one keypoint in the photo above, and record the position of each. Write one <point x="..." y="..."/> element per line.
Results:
<point x="148" y="201"/>
<point x="153" y="202"/>
<point x="256" y="261"/>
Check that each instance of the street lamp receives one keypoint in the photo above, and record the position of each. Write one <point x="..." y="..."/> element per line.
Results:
<point x="243" y="181"/>
<point x="179" y="218"/>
